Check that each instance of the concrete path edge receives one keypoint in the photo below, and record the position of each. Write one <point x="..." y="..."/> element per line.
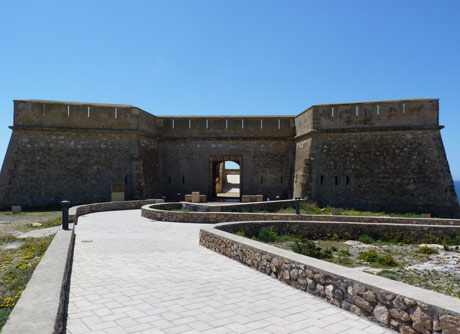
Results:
<point x="41" y="307"/>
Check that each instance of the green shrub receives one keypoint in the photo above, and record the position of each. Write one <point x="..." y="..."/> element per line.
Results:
<point x="372" y="256"/>
<point x="365" y="239"/>
<point x="387" y="260"/>
<point x="267" y="235"/>
<point x="388" y="274"/>
<point x="308" y="248"/>
<point x="369" y="256"/>
<point x="427" y="250"/>
<point x="240" y="233"/>
<point x="344" y="252"/>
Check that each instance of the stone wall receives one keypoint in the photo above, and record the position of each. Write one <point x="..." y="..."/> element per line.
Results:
<point x="391" y="304"/>
<point x="385" y="155"/>
<point x="381" y="171"/>
<point x="201" y="213"/>
<point x="42" y="168"/>
<point x="266" y="165"/>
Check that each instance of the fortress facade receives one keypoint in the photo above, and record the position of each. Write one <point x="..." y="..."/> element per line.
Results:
<point x="384" y="155"/>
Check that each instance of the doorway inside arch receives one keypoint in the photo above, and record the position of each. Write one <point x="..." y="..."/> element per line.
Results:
<point x="225" y="178"/>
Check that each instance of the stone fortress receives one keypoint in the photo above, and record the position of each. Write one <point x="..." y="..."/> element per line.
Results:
<point x="383" y="155"/>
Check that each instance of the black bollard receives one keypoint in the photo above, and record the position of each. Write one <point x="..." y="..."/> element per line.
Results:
<point x="297" y="205"/>
<point x="65" y="214"/>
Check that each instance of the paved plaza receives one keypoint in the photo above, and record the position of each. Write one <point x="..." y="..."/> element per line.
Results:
<point x="134" y="275"/>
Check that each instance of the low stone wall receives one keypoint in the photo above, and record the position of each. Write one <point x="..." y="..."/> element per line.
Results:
<point x="391" y="304"/>
<point x="205" y="213"/>
<point x="346" y="230"/>
<point x="76" y="211"/>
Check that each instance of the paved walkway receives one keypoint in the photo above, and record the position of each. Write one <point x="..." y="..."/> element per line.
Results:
<point x="134" y="275"/>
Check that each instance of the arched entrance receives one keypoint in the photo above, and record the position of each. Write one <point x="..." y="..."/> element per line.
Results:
<point x="225" y="177"/>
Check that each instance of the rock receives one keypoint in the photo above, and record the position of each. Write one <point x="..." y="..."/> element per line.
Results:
<point x="335" y="302"/>
<point x="422" y="322"/>
<point x="329" y="291"/>
<point x="381" y="314"/>
<point x="356" y="310"/>
<point x="398" y="302"/>
<point x="286" y="275"/>
<point x="273" y="268"/>
<point x="294" y="273"/>
<point x="320" y="278"/>
<point x="406" y="330"/>
<point x="309" y="273"/>
<point x="385" y="298"/>
<point x="341" y="285"/>
<point x="346" y="305"/>
<point x="369" y="296"/>
<point x="450" y="324"/>
<point x="399" y="314"/>
<point x="338" y="294"/>
<point x="358" y="289"/>
<point x="36" y="224"/>
<point x="275" y="262"/>
<point x="350" y="290"/>
<point x="362" y="303"/>
<point x="311" y="284"/>
<point x="320" y="289"/>
<point x="409" y="302"/>
<point x="436" y="325"/>
<point x="394" y="323"/>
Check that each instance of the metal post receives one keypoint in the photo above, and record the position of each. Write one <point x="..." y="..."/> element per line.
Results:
<point x="65" y="214"/>
<point x="297" y="205"/>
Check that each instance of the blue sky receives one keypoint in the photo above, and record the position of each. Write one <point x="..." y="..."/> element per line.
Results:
<point x="198" y="57"/>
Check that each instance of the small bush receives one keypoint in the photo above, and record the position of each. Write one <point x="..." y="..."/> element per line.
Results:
<point x="372" y="256"/>
<point x="365" y="239"/>
<point x="240" y="233"/>
<point x="344" y="252"/>
<point x="387" y="260"/>
<point x="267" y="235"/>
<point x="308" y="248"/>
<point x="427" y="250"/>
<point x="369" y="256"/>
<point x="388" y="274"/>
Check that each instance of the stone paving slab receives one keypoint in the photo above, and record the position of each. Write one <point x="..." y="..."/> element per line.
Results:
<point x="134" y="275"/>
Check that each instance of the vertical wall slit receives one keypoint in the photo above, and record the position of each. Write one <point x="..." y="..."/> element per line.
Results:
<point x="261" y="124"/>
<point x="189" y="123"/>
<point x="226" y="123"/>
<point x="378" y="110"/>
<point x="404" y="108"/>
<point x="68" y="111"/>
<point x="207" y="124"/>
<point x="173" y="123"/>
<point x="89" y="111"/>
<point x="332" y="112"/>
<point x="279" y="124"/>
<point x="44" y="107"/>
<point x="242" y="123"/>
<point x="116" y="113"/>
<point x="357" y="111"/>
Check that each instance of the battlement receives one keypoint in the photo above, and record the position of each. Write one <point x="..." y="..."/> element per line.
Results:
<point x="356" y="115"/>
<point x="73" y="115"/>
<point x="397" y="113"/>
<point x="227" y="126"/>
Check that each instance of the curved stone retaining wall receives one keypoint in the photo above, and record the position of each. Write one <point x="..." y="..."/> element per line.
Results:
<point x="205" y="213"/>
<point x="76" y="211"/>
<point x="392" y="304"/>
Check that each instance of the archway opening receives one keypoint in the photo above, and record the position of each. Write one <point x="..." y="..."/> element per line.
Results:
<point x="227" y="181"/>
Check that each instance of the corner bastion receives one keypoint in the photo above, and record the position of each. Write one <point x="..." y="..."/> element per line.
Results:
<point x="382" y="155"/>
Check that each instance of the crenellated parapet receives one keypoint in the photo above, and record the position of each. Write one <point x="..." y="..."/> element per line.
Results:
<point x="362" y="116"/>
<point x="80" y="115"/>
